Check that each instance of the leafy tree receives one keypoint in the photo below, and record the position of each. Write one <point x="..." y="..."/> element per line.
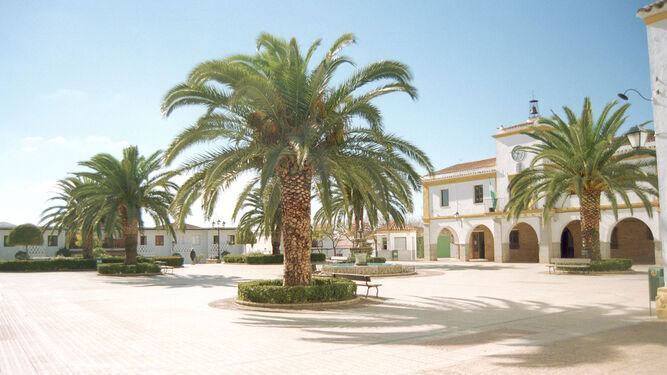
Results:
<point x="262" y="215"/>
<point x="72" y="217"/>
<point x="120" y="191"/>
<point x="25" y="235"/>
<point x="279" y="118"/>
<point x="583" y="156"/>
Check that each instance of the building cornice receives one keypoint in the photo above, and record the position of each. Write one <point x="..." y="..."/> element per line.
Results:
<point x="460" y="177"/>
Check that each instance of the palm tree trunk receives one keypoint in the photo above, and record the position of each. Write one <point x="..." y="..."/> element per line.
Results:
<point x="87" y="245"/>
<point x="295" y="184"/>
<point x="130" y="232"/>
<point x="590" y="223"/>
<point x="275" y="241"/>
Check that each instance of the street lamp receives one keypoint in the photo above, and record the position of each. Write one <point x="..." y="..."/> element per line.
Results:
<point x="637" y="136"/>
<point x="216" y="224"/>
<point x="624" y="95"/>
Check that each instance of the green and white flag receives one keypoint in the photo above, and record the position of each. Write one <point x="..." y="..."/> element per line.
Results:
<point x="492" y="189"/>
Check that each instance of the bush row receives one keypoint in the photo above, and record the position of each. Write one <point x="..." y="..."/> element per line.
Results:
<point x="614" y="264"/>
<point x="174" y="261"/>
<point x="267" y="258"/>
<point x="273" y="291"/>
<point x="53" y="264"/>
<point x="122" y="269"/>
<point x="377" y="260"/>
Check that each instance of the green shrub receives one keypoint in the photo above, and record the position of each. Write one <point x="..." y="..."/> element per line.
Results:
<point x="273" y="291"/>
<point x="264" y="258"/>
<point x="64" y="252"/>
<point x="106" y="260"/>
<point x="177" y="255"/>
<point x="225" y="253"/>
<point x="318" y="257"/>
<point x="21" y="255"/>
<point x="122" y="269"/>
<point x="377" y="260"/>
<point x="614" y="264"/>
<point x="45" y="265"/>
<point x="99" y="252"/>
<point x="234" y="259"/>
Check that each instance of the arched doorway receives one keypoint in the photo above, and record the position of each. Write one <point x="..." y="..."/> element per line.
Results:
<point x="447" y="244"/>
<point x="570" y="240"/>
<point x="481" y="243"/>
<point x="523" y="244"/>
<point x="632" y="239"/>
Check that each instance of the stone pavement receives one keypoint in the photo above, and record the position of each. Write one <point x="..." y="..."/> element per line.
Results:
<point x="453" y="318"/>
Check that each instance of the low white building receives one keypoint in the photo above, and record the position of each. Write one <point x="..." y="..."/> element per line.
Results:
<point x="462" y="220"/>
<point x="403" y="241"/>
<point x="151" y="242"/>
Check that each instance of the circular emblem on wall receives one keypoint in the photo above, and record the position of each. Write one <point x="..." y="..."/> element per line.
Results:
<point x="518" y="154"/>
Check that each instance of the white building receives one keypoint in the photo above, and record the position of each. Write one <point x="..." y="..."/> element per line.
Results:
<point x="402" y="240"/>
<point x="151" y="242"/>
<point x="460" y="219"/>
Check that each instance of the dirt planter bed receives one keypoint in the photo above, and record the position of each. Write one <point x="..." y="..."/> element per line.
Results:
<point x="272" y="292"/>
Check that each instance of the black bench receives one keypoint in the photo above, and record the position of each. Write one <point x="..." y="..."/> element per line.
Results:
<point x="364" y="278"/>
<point x="165" y="267"/>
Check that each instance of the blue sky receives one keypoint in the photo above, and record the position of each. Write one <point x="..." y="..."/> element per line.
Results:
<point x="78" y="78"/>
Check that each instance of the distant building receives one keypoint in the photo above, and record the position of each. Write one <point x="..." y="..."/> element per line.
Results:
<point x="464" y="214"/>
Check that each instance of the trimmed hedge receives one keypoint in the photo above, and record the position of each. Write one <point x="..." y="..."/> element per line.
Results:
<point x="613" y="264"/>
<point x="174" y="261"/>
<point x="377" y="260"/>
<point x="122" y="269"/>
<point x="234" y="259"/>
<point x="45" y="265"/>
<point x="264" y="259"/>
<point x="318" y="257"/>
<point x="273" y="291"/>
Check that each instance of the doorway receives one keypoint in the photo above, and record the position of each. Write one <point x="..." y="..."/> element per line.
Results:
<point x="478" y="245"/>
<point x="566" y="244"/>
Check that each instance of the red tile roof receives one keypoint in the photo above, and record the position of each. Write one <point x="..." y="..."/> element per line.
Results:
<point x="484" y="163"/>
<point x="657" y="5"/>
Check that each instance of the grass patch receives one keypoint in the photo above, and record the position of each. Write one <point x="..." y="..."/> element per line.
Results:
<point x="613" y="264"/>
<point x="259" y="258"/>
<point x="273" y="291"/>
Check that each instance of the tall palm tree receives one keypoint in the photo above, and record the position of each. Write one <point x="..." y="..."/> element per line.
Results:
<point x="120" y="191"/>
<point x="583" y="156"/>
<point x="262" y="215"/>
<point x="280" y="118"/>
<point x="71" y="217"/>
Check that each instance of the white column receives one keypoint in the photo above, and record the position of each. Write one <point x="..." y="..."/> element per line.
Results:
<point x="498" y="255"/>
<point x="545" y="241"/>
<point x="657" y="46"/>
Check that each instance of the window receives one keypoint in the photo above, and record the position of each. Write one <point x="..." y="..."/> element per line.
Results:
<point x="614" y="239"/>
<point x="5" y="244"/>
<point x="216" y="240"/>
<point x="479" y="193"/>
<point x="384" y="243"/>
<point x="159" y="240"/>
<point x="444" y="197"/>
<point x="231" y="239"/>
<point x="514" y="239"/>
<point x="52" y="241"/>
<point x="142" y="240"/>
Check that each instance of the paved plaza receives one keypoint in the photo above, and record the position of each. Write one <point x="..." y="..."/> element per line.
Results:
<point x="453" y="318"/>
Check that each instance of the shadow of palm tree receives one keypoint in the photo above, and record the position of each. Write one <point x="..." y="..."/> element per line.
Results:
<point x="447" y="324"/>
<point x="180" y="281"/>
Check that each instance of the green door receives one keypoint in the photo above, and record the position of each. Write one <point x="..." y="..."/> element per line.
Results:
<point x="443" y="246"/>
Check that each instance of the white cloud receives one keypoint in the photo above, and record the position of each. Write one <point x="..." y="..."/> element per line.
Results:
<point x="29" y="149"/>
<point x="33" y="139"/>
<point x="122" y="144"/>
<point x="58" y="139"/>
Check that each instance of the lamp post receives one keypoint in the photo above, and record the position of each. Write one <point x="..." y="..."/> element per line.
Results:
<point x="637" y="136"/>
<point x="624" y="95"/>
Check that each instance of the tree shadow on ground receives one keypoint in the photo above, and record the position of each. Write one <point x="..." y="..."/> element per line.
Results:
<point x="448" y="324"/>
<point x="179" y="281"/>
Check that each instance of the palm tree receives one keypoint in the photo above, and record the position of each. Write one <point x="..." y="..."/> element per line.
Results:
<point x="262" y="215"/>
<point x="71" y="217"/>
<point x="279" y="118"/>
<point x="119" y="192"/>
<point x="583" y="156"/>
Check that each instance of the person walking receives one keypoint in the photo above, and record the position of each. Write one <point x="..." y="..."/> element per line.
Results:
<point x="193" y="256"/>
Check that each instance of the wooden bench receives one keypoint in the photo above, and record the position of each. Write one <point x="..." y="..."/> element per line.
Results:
<point x="164" y="267"/>
<point x="569" y="264"/>
<point x="364" y="278"/>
